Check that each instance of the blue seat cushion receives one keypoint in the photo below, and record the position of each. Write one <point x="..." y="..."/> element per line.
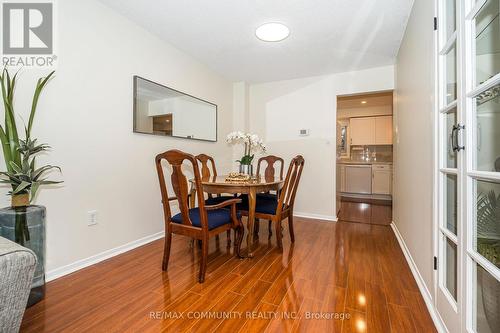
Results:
<point x="218" y="200"/>
<point x="263" y="205"/>
<point x="244" y="197"/>
<point x="216" y="217"/>
<point x="267" y="196"/>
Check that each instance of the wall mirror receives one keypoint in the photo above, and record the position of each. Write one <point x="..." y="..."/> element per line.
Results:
<point x="160" y="110"/>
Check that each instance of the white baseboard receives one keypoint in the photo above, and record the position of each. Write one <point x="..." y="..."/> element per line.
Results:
<point x="436" y="318"/>
<point x="77" y="265"/>
<point x="330" y="218"/>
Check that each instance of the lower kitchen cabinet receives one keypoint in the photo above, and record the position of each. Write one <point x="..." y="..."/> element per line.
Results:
<point x="358" y="178"/>
<point x="365" y="178"/>
<point x="382" y="179"/>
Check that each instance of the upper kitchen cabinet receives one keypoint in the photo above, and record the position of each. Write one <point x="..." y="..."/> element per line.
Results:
<point x="362" y="131"/>
<point x="371" y="131"/>
<point x="383" y="130"/>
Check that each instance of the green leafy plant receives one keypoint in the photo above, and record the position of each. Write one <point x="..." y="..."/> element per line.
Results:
<point x="246" y="159"/>
<point x="488" y="222"/>
<point x="20" y="155"/>
<point x="25" y="178"/>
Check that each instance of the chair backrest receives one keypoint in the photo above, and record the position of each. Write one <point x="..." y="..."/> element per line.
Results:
<point x="287" y="195"/>
<point x="176" y="158"/>
<point x="205" y="170"/>
<point x="269" y="172"/>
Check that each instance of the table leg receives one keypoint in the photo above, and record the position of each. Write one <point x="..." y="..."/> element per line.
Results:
<point x="252" y="198"/>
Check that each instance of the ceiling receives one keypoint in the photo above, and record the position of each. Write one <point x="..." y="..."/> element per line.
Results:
<point x="326" y="36"/>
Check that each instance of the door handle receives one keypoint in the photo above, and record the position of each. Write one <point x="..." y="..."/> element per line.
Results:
<point x="454" y="137"/>
<point x="454" y="130"/>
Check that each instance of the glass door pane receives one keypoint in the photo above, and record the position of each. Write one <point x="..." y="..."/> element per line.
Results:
<point x="487" y="31"/>
<point x="450" y="18"/>
<point x="451" y="76"/>
<point x="487" y="302"/>
<point x="488" y="221"/>
<point x="488" y="130"/>
<point x="451" y="156"/>
<point x="451" y="268"/>
<point x="451" y="203"/>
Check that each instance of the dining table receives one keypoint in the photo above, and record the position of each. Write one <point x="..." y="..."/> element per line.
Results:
<point x="250" y="187"/>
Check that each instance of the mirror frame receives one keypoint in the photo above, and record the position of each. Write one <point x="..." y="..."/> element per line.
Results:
<point x="137" y="77"/>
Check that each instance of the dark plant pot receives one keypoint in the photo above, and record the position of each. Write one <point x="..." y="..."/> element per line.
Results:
<point x="491" y="300"/>
<point x="26" y="226"/>
<point x="246" y="169"/>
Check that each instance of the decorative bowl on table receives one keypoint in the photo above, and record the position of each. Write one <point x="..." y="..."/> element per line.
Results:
<point x="236" y="177"/>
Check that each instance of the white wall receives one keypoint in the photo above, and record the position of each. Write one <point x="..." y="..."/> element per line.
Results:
<point x="413" y="146"/>
<point x="85" y="114"/>
<point x="278" y="110"/>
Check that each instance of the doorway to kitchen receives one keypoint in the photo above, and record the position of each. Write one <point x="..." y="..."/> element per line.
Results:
<point x="364" y="157"/>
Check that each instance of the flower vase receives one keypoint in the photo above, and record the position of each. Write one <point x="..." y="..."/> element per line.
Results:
<point x="246" y="169"/>
<point x="25" y="225"/>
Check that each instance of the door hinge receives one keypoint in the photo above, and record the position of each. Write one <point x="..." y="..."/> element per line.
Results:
<point x="435" y="263"/>
<point x="435" y="23"/>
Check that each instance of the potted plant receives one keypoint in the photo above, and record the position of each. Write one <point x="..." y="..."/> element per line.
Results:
<point x="252" y="143"/>
<point x="488" y="245"/>
<point x="22" y="222"/>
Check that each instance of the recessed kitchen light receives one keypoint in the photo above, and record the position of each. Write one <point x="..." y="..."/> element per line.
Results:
<point x="364" y="102"/>
<point x="272" y="32"/>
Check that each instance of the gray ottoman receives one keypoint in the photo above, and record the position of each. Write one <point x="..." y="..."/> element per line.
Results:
<point x="17" y="266"/>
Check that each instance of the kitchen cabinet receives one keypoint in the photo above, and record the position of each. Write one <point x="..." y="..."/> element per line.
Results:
<point x="358" y="178"/>
<point x="371" y="130"/>
<point x="383" y="130"/>
<point x="362" y="131"/>
<point x="382" y="179"/>
<point x="342" y="178"/>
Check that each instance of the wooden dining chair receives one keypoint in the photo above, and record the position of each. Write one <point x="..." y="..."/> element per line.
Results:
<point x="200" y="223"/>
<point x="206" y="173"/>
<point x="269" y="173"/>
<point x="276" y="210"/>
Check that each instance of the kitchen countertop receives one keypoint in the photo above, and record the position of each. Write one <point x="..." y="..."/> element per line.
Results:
<point x="362" y="162"/>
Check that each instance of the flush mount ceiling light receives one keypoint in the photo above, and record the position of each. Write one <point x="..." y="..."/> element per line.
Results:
<point x="272" y="32"/>
<point x="364" y="102"/>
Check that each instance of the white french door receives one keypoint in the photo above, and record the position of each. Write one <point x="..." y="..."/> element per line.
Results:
<point x="468" y="165"/>
<point x="450" y="166"/>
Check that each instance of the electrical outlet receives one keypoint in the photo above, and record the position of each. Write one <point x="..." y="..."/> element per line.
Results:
<point x="304" y="132"/>
<point x="92" y="217"/>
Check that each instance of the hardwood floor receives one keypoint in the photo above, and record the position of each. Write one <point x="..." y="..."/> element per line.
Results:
<point x="337" y="277"/>
<point x="366" y="211"/>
